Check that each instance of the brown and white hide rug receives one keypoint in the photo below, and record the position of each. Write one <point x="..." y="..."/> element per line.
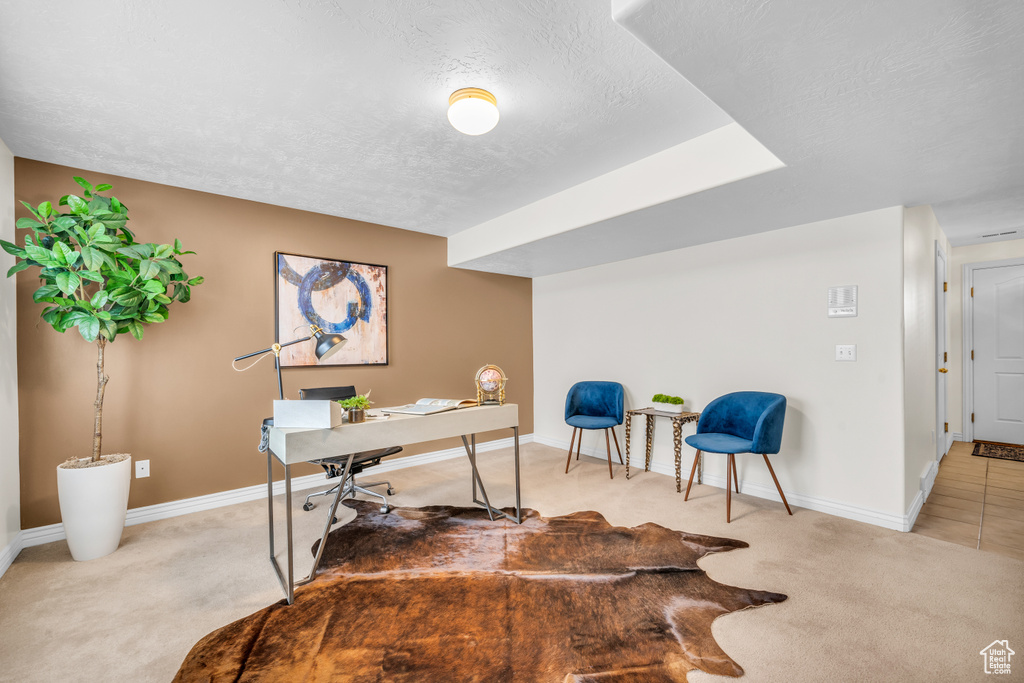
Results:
<point x="443" y="594"/>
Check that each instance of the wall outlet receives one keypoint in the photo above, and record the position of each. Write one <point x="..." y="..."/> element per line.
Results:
<point x="846" y="352"/>
<point x="141" y="469"/>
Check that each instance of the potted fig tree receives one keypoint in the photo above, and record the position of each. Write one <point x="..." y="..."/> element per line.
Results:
<point x="95" y="277"/>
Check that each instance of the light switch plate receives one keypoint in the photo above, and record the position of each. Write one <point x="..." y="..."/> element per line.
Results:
<point x="846" y="352"/>
<point x="141" y="469"/>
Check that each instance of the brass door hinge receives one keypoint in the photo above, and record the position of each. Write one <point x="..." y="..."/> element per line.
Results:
<point x="945" y="357"/>
<point x="945" y="286"/>
<point x="972" y="417"/>
<point x="945" y="426"/>
<point x="972" y="354"/>
<point x="972" y="291"/>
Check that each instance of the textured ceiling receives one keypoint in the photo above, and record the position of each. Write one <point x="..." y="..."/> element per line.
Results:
<point x="340" y="107"/>
<point x="869" y="104"/>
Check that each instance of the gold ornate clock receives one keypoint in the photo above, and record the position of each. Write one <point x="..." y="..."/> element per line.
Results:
<point x="490" y="385"/>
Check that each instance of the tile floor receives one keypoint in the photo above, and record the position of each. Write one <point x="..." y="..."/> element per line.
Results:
<point x="976" y="502"/>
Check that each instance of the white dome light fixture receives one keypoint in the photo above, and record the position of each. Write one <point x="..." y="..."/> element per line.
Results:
<point x="472" y="111"/>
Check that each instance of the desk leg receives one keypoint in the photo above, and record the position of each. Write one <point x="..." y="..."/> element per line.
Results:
<point x="649" y="432"/>
<point x="677" y="440"/>
<point x="629" y="420"/>
<point x="286" y="582"/>
<point x="486" y="502"/>
<point x="330" y="520"/>
<point x="519" y="507"/>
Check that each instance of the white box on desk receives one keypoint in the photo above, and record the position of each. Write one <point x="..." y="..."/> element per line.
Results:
<point x="307" y="414"/>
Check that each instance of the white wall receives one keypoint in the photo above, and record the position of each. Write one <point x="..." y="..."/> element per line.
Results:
<point x="974" y="253"/>
<point x="749" y="313"/>
<point x="921" y="231"/>
<point x="10" y="497"/>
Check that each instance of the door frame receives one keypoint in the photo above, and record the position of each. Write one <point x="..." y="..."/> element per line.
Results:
<point x="942" y="437"/>
<point x="968" y="335"/>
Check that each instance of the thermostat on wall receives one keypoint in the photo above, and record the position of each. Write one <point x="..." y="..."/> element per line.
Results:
<point x="842" y="301"/>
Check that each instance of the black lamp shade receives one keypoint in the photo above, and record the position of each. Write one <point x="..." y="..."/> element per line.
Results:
<point x="327" y="344"/>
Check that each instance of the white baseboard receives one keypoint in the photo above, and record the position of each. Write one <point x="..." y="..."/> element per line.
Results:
<point x="150" y="513"/>
<point x="928" y="478"/>
<point x="10" y="551"/>
<point x="768" y="492"/>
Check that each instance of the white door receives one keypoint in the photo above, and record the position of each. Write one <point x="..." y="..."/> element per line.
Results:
<point x="941" y="426"/>
<point x="999" y="354"/>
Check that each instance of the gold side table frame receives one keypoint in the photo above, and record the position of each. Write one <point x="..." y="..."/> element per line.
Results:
<point x="678" y="420"/>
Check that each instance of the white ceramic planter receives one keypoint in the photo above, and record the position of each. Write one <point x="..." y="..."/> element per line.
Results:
<point x="669" y="407"/>
<point x="93" y="506"/>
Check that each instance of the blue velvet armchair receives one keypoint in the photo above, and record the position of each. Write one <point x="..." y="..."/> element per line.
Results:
<point x="741" y="422"/>
<point x="594" y="405"/>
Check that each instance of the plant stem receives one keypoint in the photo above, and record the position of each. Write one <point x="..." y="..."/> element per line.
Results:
<point x="101" y="385"/>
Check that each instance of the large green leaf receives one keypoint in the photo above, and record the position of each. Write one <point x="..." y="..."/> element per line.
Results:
<point x="45" y="292"/>
<point x="99" y="299"/>
<point x="89" y="328"/>
<point x="77" y="205"/>
<point x="40" y="255"/>
<point x="103" y="187"/>
<point x="18" y="267"/>
<point x="135" y="327"/>
<point x="153" y="286"/>
<point x="90" y="275"/>
<point x="26" y="222"/>
<point x="68" y="282"/>
<point x="129" y="298"/>
<point x="147" y="269"/>
<point x="137" y="251"/>
<point x="13" y="249"/>
<point x="85" y="185"/>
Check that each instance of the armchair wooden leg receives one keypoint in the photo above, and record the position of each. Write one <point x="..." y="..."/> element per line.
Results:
<point x="735" y="477"/>
<point x="693" y="470"/>
<point x="571" y="444"/>
<point x="728" y="488"/>
<point x="776" y="480"/>
<point x="608" y="445"/>
<point x="617" y="446"/>
<point x="579" y="443"/>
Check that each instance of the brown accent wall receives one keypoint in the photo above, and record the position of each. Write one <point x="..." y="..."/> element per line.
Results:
<point x="174" y="399"/>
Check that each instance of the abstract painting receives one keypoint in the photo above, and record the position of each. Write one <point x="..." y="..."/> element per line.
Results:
<point x="344" y="298"/>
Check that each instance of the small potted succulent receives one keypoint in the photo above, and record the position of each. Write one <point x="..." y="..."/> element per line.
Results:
<point x="356" y="407"/>
<point x="668" y="404"/>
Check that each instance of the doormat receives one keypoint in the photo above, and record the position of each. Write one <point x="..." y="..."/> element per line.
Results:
<point x="445" y="594"/>
<point x="1001" y="451"/>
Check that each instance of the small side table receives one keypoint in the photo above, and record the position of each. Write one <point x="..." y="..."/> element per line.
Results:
<point x="678" y="420"/>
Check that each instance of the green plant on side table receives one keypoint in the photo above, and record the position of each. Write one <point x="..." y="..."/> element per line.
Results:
<point x="97" y="278"/>
<point x="668" y="404"/>
<point x="356" y="407"/>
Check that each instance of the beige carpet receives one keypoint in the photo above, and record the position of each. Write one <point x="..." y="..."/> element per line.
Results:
<point x="865" y="604"/>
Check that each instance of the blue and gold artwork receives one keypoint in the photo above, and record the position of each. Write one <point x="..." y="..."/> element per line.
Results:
<point x="338" y="296"/>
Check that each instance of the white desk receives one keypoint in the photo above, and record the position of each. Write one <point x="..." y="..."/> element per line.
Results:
<point x="291" y="446"/>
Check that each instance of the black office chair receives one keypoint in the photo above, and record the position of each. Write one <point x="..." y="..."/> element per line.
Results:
<point x="334" y="466"/>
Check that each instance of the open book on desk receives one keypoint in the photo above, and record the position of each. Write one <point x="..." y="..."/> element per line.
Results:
<point x="429" y="406"/>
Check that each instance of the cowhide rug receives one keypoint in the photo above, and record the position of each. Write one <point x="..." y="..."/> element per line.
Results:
<point x="444" y="594"/>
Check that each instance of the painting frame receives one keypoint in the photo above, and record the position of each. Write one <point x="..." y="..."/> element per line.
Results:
<point x="320" y="290"/>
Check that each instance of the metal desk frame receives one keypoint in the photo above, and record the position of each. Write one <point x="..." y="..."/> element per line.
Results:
<point x="678" y="420"/>
<point x="310" y="444"/>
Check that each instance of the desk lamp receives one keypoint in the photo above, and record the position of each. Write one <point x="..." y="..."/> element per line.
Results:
<point x="326" y="346"/>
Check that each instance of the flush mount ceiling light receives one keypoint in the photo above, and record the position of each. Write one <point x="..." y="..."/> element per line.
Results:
<point x="472" y="111"/>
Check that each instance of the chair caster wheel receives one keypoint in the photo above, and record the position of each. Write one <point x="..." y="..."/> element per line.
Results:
<point x="385" y="509"/>
<point x="391" y="491"/>
<point x="307" y="507"/>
